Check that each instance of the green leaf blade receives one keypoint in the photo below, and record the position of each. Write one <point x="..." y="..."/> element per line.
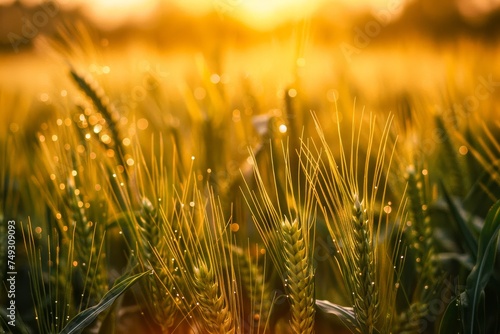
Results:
<point x="483" y="269"/>
<point x="86" y="317"/>
<point x="345" y="314"/>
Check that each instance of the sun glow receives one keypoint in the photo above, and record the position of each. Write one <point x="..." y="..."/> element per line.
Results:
<point x="260" y="14"/>
<point x="264" y="13"/>
<point x="110" y="13"/>
<point x="256" y="13"/>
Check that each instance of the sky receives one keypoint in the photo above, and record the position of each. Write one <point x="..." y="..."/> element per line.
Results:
<point x="257" y="13"/>
<point x="253" y="12"/>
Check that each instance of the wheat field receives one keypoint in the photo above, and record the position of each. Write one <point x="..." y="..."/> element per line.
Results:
<point x="277" y="188"/>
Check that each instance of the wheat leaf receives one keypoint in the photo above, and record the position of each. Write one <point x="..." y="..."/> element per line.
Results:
<point x="477" y="198"/>
<point x="345" y="314"/>
<point x="480" y="274"/>
<point x="86" y="317"/>
<point x="449" y="320"/>
<point x="458" y="215"/>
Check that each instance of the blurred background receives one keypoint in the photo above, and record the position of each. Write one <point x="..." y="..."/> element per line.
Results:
<point x="374" y="42"/>
<point x="152" y="57"/>
<point x="157" y="59"/>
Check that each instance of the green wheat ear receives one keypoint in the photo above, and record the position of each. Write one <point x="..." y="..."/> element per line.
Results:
<point x="366" y="294"/>
<point x="103" y="105"/>
<point x="300" y="278"/>
<point x="160" y="288"/>
<point x="51" y="282"/>
<point x="207" y="290"/>
<point x="421" y="233"/>
<point x="349" y="201"/>
<point x="253" y="281"/>
<point x="283" y="212"/>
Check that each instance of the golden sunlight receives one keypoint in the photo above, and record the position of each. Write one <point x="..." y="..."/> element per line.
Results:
<point x="110" y="13"/>
<point x="237" y="166"/>
<point x="260" y="14"/>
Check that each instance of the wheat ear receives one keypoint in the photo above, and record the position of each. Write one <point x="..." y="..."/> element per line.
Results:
<point x="87" y="247"/>
<point x="161" y="287"/>
<point x="421" y="235"/>
<point x="212" y="303"/>
<point x="366" y="291"/>
<point x="300" y="281"/>
<point x="253" y="280"/>
<point x="409" y="322"/>
<point x="164" y="304"/>
<point x="96" y="94"/>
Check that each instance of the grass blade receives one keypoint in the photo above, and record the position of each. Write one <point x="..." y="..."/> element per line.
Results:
<point x="470" y="240"/>
<point x="480" y="274"/>
<point x="345" y="314"/>
<point x="449" y="321"/>
<point x="86" y="317"/>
